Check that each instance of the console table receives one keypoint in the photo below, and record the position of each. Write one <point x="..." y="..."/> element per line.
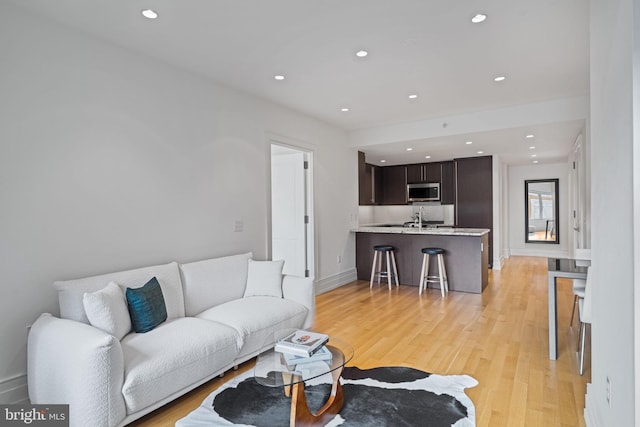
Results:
<point x="565" y="268"/>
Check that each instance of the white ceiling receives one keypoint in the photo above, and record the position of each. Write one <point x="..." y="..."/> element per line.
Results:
<point x="428" y="47"/>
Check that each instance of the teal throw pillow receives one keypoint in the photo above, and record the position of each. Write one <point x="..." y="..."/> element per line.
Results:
<point x="146" y="306"/>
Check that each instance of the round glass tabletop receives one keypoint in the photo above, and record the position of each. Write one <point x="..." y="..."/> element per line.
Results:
<point x="276" y="369"/>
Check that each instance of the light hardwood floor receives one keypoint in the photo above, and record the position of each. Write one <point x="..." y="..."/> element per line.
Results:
<point x="499" y="337"/>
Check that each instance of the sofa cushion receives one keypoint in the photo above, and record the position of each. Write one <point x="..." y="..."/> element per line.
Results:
<point x="264" y="278"/>
<point x="256" y="318"/>
<point x="214" y="281"/>
<point x="107" y="310"/>
<point x="146" y="306"/>
<point x="71" y="292"/>
<point x="173" y="356"/>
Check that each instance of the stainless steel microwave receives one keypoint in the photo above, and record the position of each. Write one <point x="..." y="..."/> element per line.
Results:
<point x="423" y="192"/>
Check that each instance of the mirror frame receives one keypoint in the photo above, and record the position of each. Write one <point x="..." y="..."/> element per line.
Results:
<point x="556" y="183"/>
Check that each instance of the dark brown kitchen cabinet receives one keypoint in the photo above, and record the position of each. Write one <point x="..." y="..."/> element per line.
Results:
<point x="416" y="173"/>
<point x="448" y="184"/>
<point x="424" y="172"/>
<point x="434" y="172"/>
<point x="394" y="185"/>
<point x="369" y="182"/>
<point x="474" y="195"/>
<point x="364" y="189"/>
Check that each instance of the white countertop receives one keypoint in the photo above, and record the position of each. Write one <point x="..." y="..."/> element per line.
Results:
<point x="439" y="231"/>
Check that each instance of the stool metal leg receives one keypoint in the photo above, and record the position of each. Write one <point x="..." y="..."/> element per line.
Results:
<point x="440" y="273"/>
<point x="425" y="261"/>
<point x="579" y="335"/>
<point x="573" y="310"/>
<point x="380" y="266"/>
<point x="395" y="268"/>
<point x="389" y="270"/>
<point x="373" y="268"/>
<point x="425" y="277"/>
<point x="444" y="273"/>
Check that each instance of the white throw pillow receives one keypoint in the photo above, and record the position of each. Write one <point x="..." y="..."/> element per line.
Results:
<point x="264" y="278"/>
<point x="107" y="310"/>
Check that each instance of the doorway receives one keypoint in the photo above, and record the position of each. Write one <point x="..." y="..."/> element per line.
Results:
<point x="291" y="209"/>
<point x="579" y="202"/>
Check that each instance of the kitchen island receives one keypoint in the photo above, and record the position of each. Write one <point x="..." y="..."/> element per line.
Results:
<point x="466" y="253"/>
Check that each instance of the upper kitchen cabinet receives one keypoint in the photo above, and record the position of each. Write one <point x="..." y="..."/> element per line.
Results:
<point x="369" y="182"/>
<point x="474" y="195"/>
<point x="416" y="173"/>
<point x="424" y="172"/>
<point x="394" y="185"/>
<point x="448" y="184"/>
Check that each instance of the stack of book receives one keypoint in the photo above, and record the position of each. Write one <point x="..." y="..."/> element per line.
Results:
<point x="293" y="359"/>
<point x="302" y="347"/>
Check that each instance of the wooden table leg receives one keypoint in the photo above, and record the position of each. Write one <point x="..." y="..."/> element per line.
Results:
<point x="286" y="379"/>
<point x="301" y="416"/>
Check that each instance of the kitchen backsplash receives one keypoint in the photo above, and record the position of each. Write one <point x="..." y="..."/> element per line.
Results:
<point x="402" y="214"/>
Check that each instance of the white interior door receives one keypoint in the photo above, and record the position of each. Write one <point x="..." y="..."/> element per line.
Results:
<point x="290" y="221"/>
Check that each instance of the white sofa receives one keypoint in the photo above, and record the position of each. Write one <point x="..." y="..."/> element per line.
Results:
<point x="211" y="327"/>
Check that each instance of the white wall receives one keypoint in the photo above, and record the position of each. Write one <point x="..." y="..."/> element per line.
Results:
<point x="516" y="178"/>
<point x="110" y="161"/>
<point x="504" y="211"/>
<point x="613" y="23"/>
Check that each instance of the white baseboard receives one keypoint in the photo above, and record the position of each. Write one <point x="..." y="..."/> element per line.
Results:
<point x="14" y="390"/>
<point x="583" y="254"/>
<point x="497" y="265"/>
<point x="546" y="253"/>
<point x="591" y="416"/>
<point x="335" y="281"/>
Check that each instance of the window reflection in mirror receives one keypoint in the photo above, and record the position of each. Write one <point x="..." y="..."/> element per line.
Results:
<point x="541" y="211"/>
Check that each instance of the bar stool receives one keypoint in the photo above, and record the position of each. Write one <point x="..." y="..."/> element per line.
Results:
<point x="379" y="252"/>
<point x="425" y="278"/>
<point x="579" y="286"/>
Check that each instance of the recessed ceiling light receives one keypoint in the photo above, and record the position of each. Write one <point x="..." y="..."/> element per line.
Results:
<point x="409" y="149"/>
<point x="278" y="77"/>
<point x="362" y="53"/>
<point x="535" y="161"/>
<point x="532" y="148"/>
<point x="427" y="157"/>
<point x="480" y="152"/>
<point x="480" y="17"/>
<point x="530" y="135"/>
<point x="469" y="142"/>
<point x="383" y="161"/>
<point x="499" y="78"/>
<point x="149" y="14"/>
<point x="413" y="96"/>
<point x="345" y="109"/>
<point x="534" y="155"/>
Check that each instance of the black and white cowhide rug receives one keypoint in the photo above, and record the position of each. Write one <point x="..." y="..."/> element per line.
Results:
<point x="387" y="396"/>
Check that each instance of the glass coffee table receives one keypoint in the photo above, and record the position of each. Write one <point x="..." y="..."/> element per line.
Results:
<point x="271" y="370"/>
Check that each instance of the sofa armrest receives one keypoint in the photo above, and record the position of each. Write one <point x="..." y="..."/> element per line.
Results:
<point x="301" y="290"/>
<point x="74" y="363"/>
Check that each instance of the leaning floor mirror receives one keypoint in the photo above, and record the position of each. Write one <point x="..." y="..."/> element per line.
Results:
<point x="541" y="211"/>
